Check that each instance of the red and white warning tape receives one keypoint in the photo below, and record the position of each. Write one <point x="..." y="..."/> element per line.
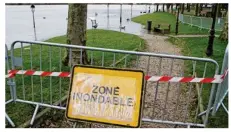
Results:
<point x="12" y="73"/>
<point x="216" y="79"/>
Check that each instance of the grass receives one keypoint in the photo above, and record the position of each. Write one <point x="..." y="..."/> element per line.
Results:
<point x="196" y="47"/>
<point x="47" y="89"/>
<point x="168" y="18"/>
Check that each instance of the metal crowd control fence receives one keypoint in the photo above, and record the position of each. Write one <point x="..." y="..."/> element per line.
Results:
<point x="222" y="90"/>
<point x="166" y="104"/>
<point x="201" y="22"/>
<point x="9" y="87"/>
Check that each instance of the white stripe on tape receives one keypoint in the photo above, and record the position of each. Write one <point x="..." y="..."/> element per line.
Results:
<point x="154" y="78"/>
<point x="175" y="79"/>
<point x="196" y="79"/>
<point x="38" y="73"/>
<point x="55" y="73"/>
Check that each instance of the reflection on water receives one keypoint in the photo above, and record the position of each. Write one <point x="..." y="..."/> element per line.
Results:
<point x="51" y="20"/>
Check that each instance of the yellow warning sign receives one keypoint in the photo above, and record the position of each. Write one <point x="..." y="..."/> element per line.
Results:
<point x="103" y="95"/>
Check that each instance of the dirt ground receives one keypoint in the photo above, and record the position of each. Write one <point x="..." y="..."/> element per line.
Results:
<point x="171" y="100"/>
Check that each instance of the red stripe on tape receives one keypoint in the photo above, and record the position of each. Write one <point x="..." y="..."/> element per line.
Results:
<point x="186" y="79"/>
<point x="64" y="74"/>
<point x="11" y="75"/>
<point x="46" y="74"/>
<point x="147" y="77"/>
<point x="29" y="72"/>
<point x="13" y="71"/>
<point x="165" y="78"/>
<point x="224" y="75"/>
<point x="207" y="80"/>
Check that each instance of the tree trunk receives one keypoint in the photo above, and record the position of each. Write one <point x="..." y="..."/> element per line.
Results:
<point x="200" y="8"/>
<point x="196" y="10"/>
<point x="76" y="34"/>
<point x="157" y="7"/>
<point x="182" y="8"/>
<point x="218" y="10"/>
<point x="224" y="33"/>
<point x="188" y="7"/>
<point x="206" y="5"/>
<point x="171" y="8"/>
<point x="163" y="7"/>
<point x="168" y="7"/>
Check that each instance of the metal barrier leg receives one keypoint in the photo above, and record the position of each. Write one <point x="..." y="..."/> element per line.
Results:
<point x="9" y="120"/>
<point x="225" y="108"/>
<point x="204" y="112"/>
<point x="209" y="104"/>
<point x="33" y="117"/>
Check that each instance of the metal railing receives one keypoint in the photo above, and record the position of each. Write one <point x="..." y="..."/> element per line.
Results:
<point x="9" y="86"/>
<point x="223" y="88"/>
<point x="201" y="22"/>
<point x="165" y="103"/>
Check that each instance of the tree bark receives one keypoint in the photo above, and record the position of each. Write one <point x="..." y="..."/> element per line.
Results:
<point x="200" y="8"/>
<point x="224" y="33"/>
<point x="188" y="7"/>
<point x="196" y="10"/>
<point x="206" y="5"/>
<point x="76" y="34"/>
<point x="182" y="8"/>
<point x="171" y="8"/>
<point x="218" y="10"/>
<point x="168" y="7"/>
<point x="157" y="7"/>
<point x="163" y="7"/>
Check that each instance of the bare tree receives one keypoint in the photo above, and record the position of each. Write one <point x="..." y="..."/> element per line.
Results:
<point x="76" y="34"/>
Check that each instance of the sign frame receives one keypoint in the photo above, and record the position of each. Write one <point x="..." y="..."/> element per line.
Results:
<point x="117" y="69"/>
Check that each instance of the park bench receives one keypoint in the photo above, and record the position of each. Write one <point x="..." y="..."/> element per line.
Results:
<point x="162" y="28"/>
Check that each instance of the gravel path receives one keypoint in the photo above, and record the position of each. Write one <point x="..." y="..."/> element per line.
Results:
<point x="175" y="94"/>
<point x="165" y="91"/>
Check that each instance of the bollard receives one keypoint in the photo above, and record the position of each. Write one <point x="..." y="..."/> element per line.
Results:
<point x="149" y="25"/>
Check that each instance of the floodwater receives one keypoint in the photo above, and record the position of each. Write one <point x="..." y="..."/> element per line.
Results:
<point x="51" y="20"/>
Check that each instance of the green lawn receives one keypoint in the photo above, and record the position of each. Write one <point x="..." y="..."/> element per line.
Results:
<point x="196" y="47"/>
<point x="168" y="18"/>
<point x="19" y="112"/>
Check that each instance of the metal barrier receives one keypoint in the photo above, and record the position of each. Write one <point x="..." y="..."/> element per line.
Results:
<point x="222" y="90"/>
<point x="201" y="22"/>
<point x="10" y="84"/>
<point x="171" y="103"/>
